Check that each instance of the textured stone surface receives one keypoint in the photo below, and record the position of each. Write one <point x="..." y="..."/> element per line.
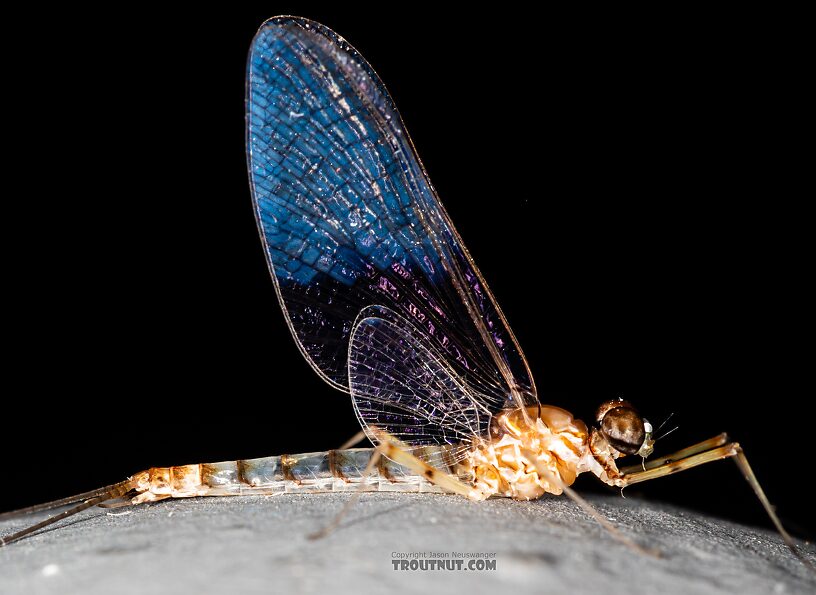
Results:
<point x="259" y="545"/>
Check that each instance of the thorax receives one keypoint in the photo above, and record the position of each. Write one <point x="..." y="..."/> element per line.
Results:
<point x="527" y="456"/>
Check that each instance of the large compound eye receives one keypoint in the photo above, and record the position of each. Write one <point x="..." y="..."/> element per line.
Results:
<point x="622" y="426"/>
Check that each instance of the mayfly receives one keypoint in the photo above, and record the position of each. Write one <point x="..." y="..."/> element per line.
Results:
<point x="386" y="304"/>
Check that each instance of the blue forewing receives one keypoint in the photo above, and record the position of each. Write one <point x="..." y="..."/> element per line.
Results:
<point x="350" y="221"/>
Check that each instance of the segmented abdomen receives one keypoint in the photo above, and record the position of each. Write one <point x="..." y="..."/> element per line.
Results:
<point x="330" y="471"/>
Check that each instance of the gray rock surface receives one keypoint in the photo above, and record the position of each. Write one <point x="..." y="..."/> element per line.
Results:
<point x="260" y="545"/>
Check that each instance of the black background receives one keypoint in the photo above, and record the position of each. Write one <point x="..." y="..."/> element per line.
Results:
<point x="631" y="193"/>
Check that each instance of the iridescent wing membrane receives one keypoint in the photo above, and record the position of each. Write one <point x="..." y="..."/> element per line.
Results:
<point x="378" y="290"/>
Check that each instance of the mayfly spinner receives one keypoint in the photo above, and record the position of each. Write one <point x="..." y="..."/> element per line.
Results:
<point x="386" y="304"/>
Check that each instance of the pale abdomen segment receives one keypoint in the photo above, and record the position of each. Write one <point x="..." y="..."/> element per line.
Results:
<point x="330" y="471"/>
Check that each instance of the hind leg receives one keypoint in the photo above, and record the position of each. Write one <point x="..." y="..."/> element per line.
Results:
<point x="397" y="452"/>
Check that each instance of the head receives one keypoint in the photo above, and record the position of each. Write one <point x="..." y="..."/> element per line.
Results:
<point x="624" y="428"/>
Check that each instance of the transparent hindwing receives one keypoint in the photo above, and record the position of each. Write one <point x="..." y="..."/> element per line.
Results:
<point x="402" y="385"/>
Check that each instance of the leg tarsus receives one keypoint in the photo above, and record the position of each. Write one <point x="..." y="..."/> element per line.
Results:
<point x="742" y="462"/>
<point x="695" y="457"/>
